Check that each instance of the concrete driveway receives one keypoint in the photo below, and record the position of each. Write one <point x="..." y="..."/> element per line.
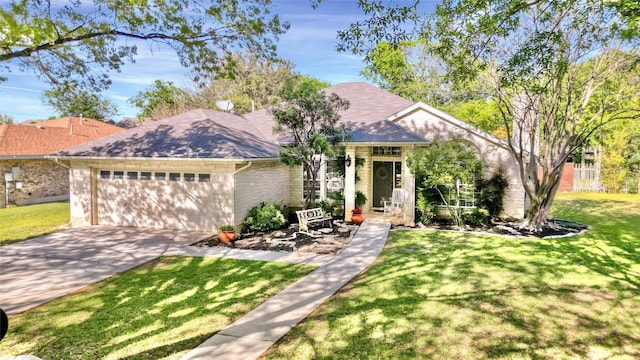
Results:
<point x="35" y="271"/>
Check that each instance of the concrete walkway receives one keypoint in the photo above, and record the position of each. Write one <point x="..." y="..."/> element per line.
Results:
<point x="253" y="334"/>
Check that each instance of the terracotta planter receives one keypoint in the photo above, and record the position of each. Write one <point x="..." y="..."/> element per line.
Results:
<point x="227" y="236"/>
<point x="356" y="216"/>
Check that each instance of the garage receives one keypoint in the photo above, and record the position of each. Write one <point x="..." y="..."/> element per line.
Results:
<point x="161" y="199"/>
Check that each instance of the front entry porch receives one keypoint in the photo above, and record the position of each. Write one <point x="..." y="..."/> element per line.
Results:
<point x="380" y="217"/>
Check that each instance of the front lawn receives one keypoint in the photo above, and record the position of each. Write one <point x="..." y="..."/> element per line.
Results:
<point x="446" y="295"/>
<point x="25" y="222"/>
<point x="157" y="311"/>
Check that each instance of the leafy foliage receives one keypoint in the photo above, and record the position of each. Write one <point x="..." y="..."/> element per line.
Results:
<point x="248" y="81"/>
<point x="310" y="125"/>
<point x="80" y="103"/>
<point x="555" y="68"/>
<point x="492" y="192"/>
<point x="6" y="119"/>
<point x="440" y="168"/>
<point x="162" y="97"/>
<point x="265" y="217"/>
<point x="76" y="44"/>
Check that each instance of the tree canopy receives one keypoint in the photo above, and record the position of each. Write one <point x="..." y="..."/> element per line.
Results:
<point x="248" y="81"/>
<point x="556" y="68"/>
<point x="80" y="103"/>
<point x="76" y="44"/>
<point x="310" y="125"/>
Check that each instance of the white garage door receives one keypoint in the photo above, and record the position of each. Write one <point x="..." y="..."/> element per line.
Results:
<point x="163" y="199"/>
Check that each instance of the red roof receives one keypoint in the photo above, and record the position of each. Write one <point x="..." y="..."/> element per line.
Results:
<point x="50" y="136"/>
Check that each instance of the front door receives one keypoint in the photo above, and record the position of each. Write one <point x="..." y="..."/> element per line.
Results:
<point x="382" y="182"/>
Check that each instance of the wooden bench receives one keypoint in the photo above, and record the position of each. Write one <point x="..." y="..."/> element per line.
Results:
<point x="311" y="216"/>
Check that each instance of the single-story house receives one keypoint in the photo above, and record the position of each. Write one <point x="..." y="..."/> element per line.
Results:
<point x="27" y="174"/>
<point x="203" y="169"/>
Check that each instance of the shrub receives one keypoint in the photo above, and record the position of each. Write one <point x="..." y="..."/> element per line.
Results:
<point x="479" y="217"/>
<point x="492" y="192"/>
<point x="427" y="209"/>
<point x="265" y="217"/>
<point x="326" y="206"/>
<point x="226" y="228"/>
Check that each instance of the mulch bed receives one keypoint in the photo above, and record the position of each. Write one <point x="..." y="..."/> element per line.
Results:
<point x="556" y="228"/>
<point x="318" y="241"/>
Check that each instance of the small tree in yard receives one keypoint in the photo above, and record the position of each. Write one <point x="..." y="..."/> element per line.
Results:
<point x="440" y="167"/>
<point x="309" y="125"/>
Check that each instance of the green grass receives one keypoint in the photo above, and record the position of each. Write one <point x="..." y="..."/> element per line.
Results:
<point x="442" y="295"/>
<point x="25" y="222"/>
<point x="157" y="311"/>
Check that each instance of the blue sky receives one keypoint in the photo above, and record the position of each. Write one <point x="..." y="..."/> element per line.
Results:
<point x="310" y="43"/>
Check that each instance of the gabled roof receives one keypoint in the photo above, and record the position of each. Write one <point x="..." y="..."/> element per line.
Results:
<point x="46" y="137"/>
<point x="385" y="131"/>
<point x="367" y="104"/>
<point x="194" y="134"/>
<point x="450" y="119"/>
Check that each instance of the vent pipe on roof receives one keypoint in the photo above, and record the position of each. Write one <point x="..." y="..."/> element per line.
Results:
<point x="81" y="118"/>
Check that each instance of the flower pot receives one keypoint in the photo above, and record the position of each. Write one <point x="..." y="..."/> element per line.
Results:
<point x="227" y="236"/>
<point x="356" y="216"/>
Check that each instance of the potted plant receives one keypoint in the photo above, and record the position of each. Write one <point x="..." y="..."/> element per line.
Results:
<point x="356" y="214"/>
<point x="227" y="233"/>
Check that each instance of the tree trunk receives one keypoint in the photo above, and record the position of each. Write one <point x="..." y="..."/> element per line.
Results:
<point x="537" y="214"/>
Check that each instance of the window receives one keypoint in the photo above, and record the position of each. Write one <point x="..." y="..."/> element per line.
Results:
<point x="132" y="175"/>
<point x="161" y="176"/>
<point x="145" y="175"/>
<point x="105" y="174"/>
<point x="386" y="151"/>
<point x="174" y="176"/>
<point x="118" y="174"/>
<point x="189" y="177"/>
<point x="319" y="186"/>
<point x="204" y="178"/>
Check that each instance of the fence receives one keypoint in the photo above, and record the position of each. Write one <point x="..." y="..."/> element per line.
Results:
<point x="586" y="178"/>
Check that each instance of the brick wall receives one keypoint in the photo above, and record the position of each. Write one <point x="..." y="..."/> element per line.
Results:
<point x="262" y="182"/>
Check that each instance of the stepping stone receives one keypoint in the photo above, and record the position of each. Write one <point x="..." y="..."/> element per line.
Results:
<point x="325" y="231"/>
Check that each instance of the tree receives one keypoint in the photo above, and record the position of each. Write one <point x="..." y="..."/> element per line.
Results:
<point x="309" y="123"/>
<point x="80" y="103"/>
<point x="555" y="68"/>
<point x="6" y="119"/>
<point x="412" y="72"/>
<point x="75" y="44"/>
<point x="162" y="99"/>
<point x="442" y="168"/>
<point x="250" y="82"/>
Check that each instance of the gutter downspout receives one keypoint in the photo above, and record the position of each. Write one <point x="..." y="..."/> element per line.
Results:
<point x="57" y="161"/>
<point x="234" y="188"/>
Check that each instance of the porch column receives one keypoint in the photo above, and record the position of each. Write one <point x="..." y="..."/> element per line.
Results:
<point x="349" y="183"/>
<point x="409" y="190"/>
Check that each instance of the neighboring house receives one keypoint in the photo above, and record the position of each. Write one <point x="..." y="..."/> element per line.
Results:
<point x="203" y="169"/>
<point x="27" y="174"/>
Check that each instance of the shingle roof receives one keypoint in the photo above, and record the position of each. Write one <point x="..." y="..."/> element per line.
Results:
<point x="385" y="131"/>
<point x="46" y="137"/>
<point x="194" y="134"/>
<point x="368" y="104"/>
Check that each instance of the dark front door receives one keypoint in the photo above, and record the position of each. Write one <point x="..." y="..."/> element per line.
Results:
<point x="382" y="182"/>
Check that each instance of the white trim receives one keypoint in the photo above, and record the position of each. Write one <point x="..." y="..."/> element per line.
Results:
<point x="450" y="119"/>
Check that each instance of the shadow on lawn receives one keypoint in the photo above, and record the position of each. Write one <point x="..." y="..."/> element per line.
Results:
<point x="448" y="295"/>
<point x="166" y="306"/>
